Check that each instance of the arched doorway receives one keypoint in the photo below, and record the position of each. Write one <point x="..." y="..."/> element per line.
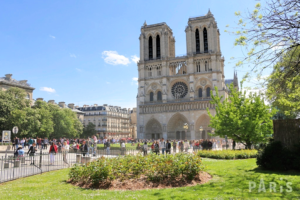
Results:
<point x="175" y="127"/>
<point x="203" y="121"/>
<point x="153" y="130"/>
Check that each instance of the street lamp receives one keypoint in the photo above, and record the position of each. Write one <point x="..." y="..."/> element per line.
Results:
<point x="200" y="129"/>
<point x="186" y="127"/>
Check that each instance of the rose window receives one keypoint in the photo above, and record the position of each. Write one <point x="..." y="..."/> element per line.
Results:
<point x="179" y="90"/>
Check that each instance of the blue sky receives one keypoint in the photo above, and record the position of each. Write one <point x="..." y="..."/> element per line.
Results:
<point x="84" y="52"/>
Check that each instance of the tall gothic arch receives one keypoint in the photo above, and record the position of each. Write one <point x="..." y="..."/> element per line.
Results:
<point x="203" y="121"/>
<point x="153" y="129"/>
<point x="175" y="127"/>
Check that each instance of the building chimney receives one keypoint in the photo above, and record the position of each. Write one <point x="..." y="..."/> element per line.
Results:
<point x="76" y="106"/>
<point x="71" y="105"/>
<point x="95" y="105"/>
<point x="51" y="101"/>
<point x="40" y="99"/>
<point x="23" y="82"/>
<point x="104" y="104"/>
<point x="8" y="77"/>
<point x="62" y="104"/>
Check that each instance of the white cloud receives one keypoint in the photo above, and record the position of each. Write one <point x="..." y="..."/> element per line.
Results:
<point x="278" y="46"/>
<point x="113" y="58"/>
<point x="47" y="89"/>
<point x="135" y="59"/>
<point x="53" y="37"/>
<point x="79" y="70"/>
<point x="135" y="81"/>
<point x="72" y="55"/>
<point x="107" y="82"/>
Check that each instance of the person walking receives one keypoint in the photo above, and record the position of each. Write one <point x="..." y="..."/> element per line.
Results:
<point x="30" y="142"/>
<point x="46" y="142"/>
<point x="145" y="148"/>
<point x="22" y="142"/>
<point x="65" y="151"/>
<point x="31" y="153"/>
<point x="186" y="145"/>
<point x="52" y="152"/>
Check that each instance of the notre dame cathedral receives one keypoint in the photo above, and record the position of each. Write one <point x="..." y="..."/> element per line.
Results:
<point x="173" y="90"/>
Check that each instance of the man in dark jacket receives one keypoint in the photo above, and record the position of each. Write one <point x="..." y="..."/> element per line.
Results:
<point x="84" y="148"/>
<point x="168" y="147"/>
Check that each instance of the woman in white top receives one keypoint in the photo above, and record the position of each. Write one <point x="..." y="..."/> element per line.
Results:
<point x="65" y="151"/>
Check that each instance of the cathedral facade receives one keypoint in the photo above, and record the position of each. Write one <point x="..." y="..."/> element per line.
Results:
<point x="175" y="91"/>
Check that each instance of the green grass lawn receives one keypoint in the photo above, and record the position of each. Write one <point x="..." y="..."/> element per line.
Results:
<point x="230" y="181"/>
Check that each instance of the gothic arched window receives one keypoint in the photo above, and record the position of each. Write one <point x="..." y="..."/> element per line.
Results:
<point x="208" y="92"/>
<point x="205" y="40"/>
<point x="197" y="41"/>
<point x="159" y="98"/>
<point x="157" y="47"/>
<point x="200" y="92"/>
<point x="150" y="48"/>
<point x="151" y="96"/>
<point x="206" y="66"/>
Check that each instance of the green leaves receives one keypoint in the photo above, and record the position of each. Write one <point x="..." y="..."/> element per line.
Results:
<point x="244" y="118"/>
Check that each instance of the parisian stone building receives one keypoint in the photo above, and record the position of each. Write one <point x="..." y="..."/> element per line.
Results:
<point x="7" y="82"/>
<point x="111" y="121"/>
<point x="173" y="91"/>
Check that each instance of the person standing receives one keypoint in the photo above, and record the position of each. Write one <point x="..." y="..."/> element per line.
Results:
<point x="84" y="148"/>
<point x="31" y="153"/>
<point x="46" y="141"/>
<point x="233" y="144"/>
<point x="145" y="148"/>
<point x="30" y="142"/>
<point x="65" y="151"/>
<point x="174" y="146"/>
<point x="162" y="146"/>
<point x="186" y="145"/>
<point x="17" y="142"/>
<point x="52" y="152"/>
<point x="22" y="142"/>
<point x="156" y="147"/>
<point x="168" y="147"/>
<point x="107" y="145"/>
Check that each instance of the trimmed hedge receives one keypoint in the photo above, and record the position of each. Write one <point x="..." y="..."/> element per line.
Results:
<point x="276" y="157"/>
<point x="154" y="167"/>
<point x="228" y="154"/>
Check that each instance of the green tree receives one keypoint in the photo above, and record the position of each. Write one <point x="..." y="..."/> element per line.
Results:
<point x="10" y="100"/>
<point x="65" y="122"/>
<point x="45" y="118"/>
<point x="244" y="119"/>
<point x="89" y="130"/>
<point x="286" y="99"/>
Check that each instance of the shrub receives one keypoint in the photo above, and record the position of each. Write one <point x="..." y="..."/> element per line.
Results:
<point x="228" y="154"/>
<point x="154" y="167"/>
<point x="276" y="157"/>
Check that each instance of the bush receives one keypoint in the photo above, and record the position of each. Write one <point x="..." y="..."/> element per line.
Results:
<point x="154" y="167"/>
<point x="276" y="157"/>
<point x="228" y="154"/>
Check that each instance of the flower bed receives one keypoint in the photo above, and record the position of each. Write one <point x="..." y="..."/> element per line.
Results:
<point x="153" y="168"/>
<point x="228" y="154"/>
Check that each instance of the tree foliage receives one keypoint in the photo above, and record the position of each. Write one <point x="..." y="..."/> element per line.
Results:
<point x="89" y="130"/>
<point x="286" y="99"/>
<point x="10" y="100"/>
<point x="40" y="120"/>
<point x="269" y="32"/>
<point x="244" y="119"/>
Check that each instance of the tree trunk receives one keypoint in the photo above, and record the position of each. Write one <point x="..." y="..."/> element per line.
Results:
<point x="248" y="145"/>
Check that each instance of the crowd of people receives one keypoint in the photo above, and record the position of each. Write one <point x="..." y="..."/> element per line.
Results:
<point x="89" y="146"/>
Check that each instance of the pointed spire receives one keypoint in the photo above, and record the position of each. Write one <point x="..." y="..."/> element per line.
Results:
<point x="145" y="23"/>
<point x="209" y="13"/>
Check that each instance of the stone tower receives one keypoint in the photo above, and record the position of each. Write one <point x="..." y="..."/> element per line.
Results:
<point x="174" y="90"/>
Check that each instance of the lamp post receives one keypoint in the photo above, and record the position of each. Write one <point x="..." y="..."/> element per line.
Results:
<point x="200" y="129"/>
<point x="186" y="127"/>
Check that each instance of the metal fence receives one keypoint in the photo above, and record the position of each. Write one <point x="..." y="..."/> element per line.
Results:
<point x="12" y="168"/>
